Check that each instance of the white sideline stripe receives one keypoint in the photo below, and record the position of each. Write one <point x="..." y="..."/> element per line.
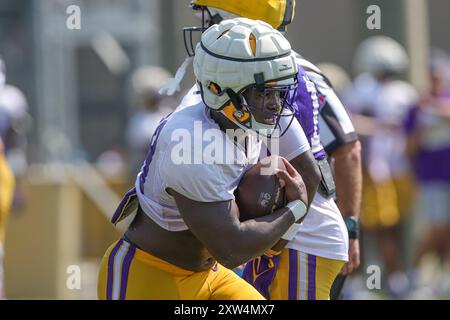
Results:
<point x="118" y="262"/>
<point x="303" y="283"/>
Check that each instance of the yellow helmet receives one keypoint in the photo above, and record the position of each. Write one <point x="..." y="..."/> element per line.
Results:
<point x="277" y="13"/>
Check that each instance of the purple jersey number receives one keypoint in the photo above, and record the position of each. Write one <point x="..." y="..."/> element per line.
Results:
<point x="151" y="152"/>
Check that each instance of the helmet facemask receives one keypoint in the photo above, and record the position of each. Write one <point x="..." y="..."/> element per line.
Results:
<point x="260" y="107"/>
<point x="208" y="17"/>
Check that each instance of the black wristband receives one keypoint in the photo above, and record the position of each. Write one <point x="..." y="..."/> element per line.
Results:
<point x="352" y="227"/>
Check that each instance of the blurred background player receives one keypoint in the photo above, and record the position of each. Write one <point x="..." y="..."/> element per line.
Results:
<point x="150" y="108"/>
<point x="14" y="125"/>
<point x="380" y="101"/>
<point x="428" y="128"/>
<point x="7" y="182"/>
<point x="13" y="116"/>
<point x="316" y="238"/>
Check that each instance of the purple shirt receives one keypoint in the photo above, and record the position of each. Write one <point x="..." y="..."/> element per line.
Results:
<point x="431" y="164"/>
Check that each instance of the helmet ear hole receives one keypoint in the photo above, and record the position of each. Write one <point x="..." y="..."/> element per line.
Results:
<point x="215" y="88"/>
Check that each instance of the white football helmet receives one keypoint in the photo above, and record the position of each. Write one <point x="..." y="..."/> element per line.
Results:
<point x="240" y="54"/>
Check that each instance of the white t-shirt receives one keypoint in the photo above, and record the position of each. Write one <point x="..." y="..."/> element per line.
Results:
<point x="196" y="159"/>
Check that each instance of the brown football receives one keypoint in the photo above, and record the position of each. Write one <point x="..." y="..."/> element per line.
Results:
<point x="259" y="192"/>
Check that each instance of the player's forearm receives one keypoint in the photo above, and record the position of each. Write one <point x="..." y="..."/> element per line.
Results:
<point x="348" y="178"/>
<point x="254" y="237"/>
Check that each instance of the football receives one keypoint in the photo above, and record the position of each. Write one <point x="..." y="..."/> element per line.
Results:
<point x="259" y="192"/>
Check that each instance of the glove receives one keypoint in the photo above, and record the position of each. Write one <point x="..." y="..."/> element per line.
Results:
<point x="261" y="271"/>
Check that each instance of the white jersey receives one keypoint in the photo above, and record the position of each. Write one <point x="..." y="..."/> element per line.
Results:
<point x="182" y="158"/>
<point x="323" y="232"/>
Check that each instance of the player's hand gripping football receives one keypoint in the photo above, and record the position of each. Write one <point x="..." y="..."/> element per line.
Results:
<point x="293" y="183"/>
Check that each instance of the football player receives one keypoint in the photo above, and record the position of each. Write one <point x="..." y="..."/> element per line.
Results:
<point x="321" y="245"/>
<point x="186" y="235"/>
<point x="380" y="102"/>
